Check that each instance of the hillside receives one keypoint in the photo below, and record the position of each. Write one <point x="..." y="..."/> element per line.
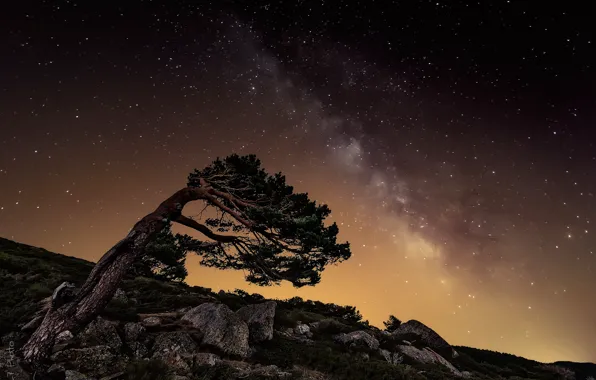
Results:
<point x="157" y="330"/>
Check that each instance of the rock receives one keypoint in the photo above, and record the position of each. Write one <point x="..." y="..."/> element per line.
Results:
<point x="74" y="375"/>
<point x="206" y="358"/>
<point x="268" y="371"/>
<point x="259" y="318"/>
<point x="133" y="332"/>
<point x="173" y="348"/>
<point x="428" y="356"/>
<point x="358" y="337"/>
<point x="302" y="329"/>
<point x="101" y="332"/>
<point x="64" y="336"/>
<point x="221" y="328"/>
<point x="427" y="335"/>
<point x="116" y="375"/>
<point x="95" y="361"/>
<point x="393" y="358"/>
<point x="138" y="349"/>
<point x="120" y="296"/>
<point x="151" y="321"/>
<point x="135" y="336"/>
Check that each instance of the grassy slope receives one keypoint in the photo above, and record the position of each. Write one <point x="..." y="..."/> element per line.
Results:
<point x="29" y="274"/>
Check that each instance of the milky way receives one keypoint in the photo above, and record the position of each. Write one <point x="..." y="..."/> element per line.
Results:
<point x="451" y="143"/>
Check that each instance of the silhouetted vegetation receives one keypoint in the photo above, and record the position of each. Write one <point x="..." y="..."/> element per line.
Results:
<point x="392" y="324"/>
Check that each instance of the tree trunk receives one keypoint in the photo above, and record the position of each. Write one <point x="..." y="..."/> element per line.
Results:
<point x="104" y="279"/>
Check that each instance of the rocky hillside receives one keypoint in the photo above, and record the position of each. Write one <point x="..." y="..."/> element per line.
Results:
<point x="157" y="330"/>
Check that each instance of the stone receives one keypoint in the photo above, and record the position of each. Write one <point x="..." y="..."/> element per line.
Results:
<point x="138" y="349"/>
<point x="269" y="371"/>
<point x="133" y="332"/>
<point x="95" y="361"/>
<point x="101" y="332"/>
<point x="427" y="335"/>
<point x="302" y="329"/>
<point x="206" y="358"/>
<point x="221" y="328"/>
<point x="428" y="356"/>
<point x="151" y="321"/>
<point x="173" y="348"/>
<point x="259" y="318"/>
<point x="358" y="337"/>
<point x="74" y="375"/>
<point x="64" y="336"/>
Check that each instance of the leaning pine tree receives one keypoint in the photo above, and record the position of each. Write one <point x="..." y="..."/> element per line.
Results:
<point x="258" y="224"/>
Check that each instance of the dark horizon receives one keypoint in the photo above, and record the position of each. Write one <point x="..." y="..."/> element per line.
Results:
<point x="452" y="143"/>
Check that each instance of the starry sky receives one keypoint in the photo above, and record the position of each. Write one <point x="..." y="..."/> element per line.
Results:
<point x="453" y="141"/>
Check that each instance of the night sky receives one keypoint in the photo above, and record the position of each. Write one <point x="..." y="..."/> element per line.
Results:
<point x="454" y="144"/>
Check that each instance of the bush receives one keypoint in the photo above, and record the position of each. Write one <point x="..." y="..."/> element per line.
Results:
<point x="392" y="324"/>
<point x="329" y="358"/>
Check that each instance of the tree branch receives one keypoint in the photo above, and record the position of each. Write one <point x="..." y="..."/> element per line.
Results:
<point x="191" y="223"/>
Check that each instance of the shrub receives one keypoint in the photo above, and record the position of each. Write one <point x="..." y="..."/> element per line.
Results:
<point x="392" y="323"/>
<point x="329" y="358"/>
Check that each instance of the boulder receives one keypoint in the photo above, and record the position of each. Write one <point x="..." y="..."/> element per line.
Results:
<point x="205" y="358"/>
<point x="259" y="318"/>
<point x="427" y="335"/>
<point x="134" y="332"/>
<point x="138" y="350"/>
<point x="93" y="361"/>
<point x="302" y="329"/>
<point x="358" y="337"/>
<point x="101" y="332"/>
<point x="136" y="338"/>
<point x="173" y="348"/>
<point x="220" y="328"/>
<point x="428" y="356"/>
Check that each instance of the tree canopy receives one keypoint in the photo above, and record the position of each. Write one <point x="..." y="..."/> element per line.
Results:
<point x="164" y="258"/>
<point x="258" y="224"/>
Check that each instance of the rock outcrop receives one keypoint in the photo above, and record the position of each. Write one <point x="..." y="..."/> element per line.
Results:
<point x="428" y="356"/>
<point x="357" y="337"/>
<point x="101" y="332"/>
<point x="220" y="327"/>
<point x="174" y="348"/>
<point x="259" y="318"/>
